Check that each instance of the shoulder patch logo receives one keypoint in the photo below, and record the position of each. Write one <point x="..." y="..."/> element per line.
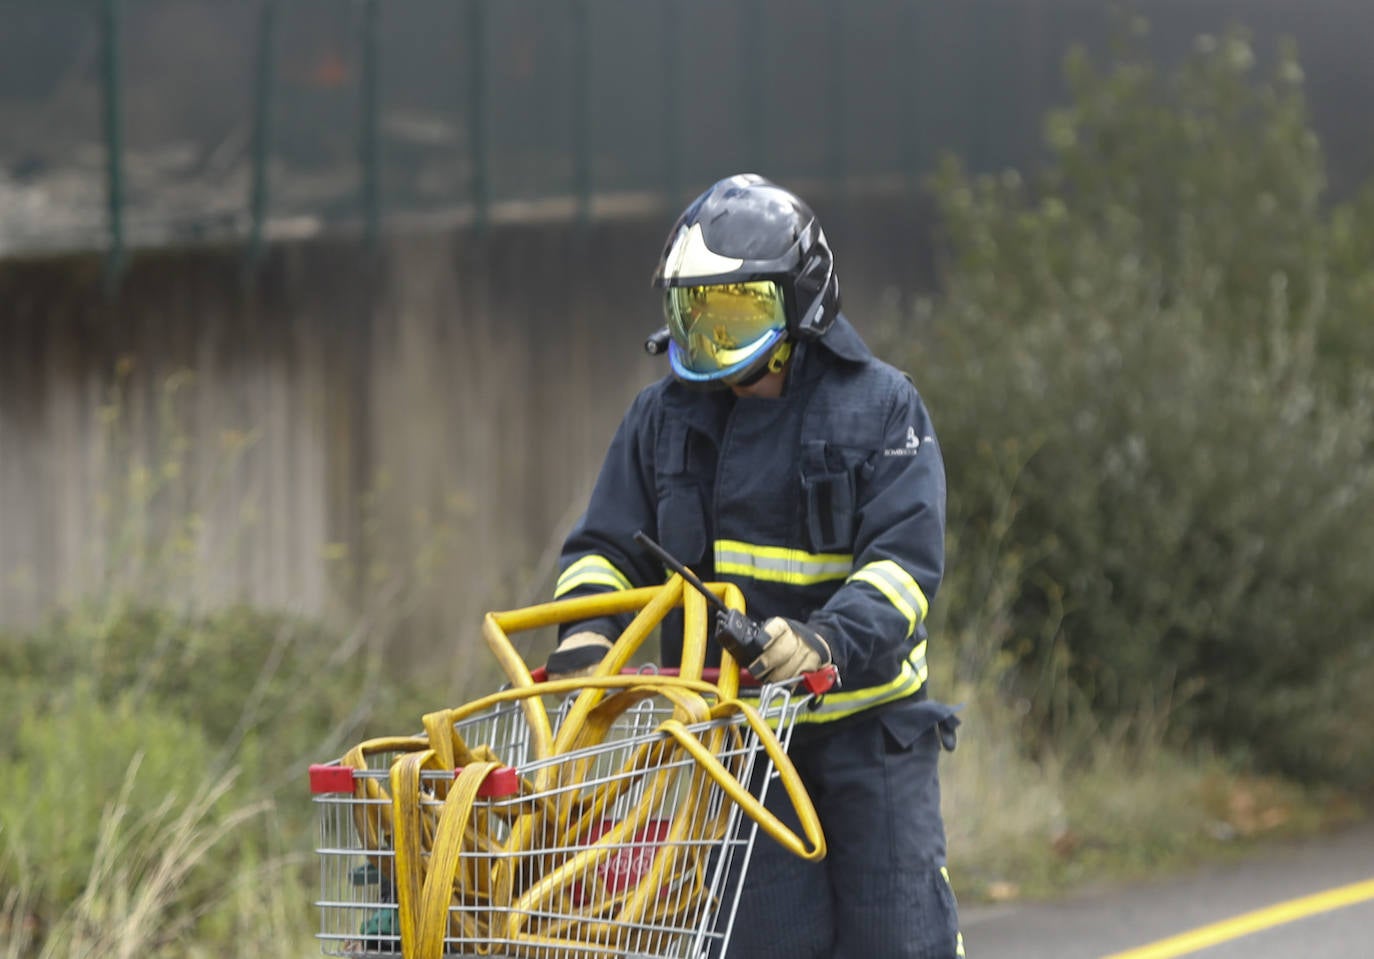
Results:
<point x="911" y="447"/>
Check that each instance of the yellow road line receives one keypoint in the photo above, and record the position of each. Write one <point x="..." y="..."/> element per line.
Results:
<point x="1249" y="922"/>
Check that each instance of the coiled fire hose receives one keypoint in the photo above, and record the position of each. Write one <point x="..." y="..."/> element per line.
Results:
<point x="447" y="853"/>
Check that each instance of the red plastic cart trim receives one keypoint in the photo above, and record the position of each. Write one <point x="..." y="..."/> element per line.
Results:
<point x="821" y="681"/>
<point x="500" y="782"/>
<point x="331" y="779"/>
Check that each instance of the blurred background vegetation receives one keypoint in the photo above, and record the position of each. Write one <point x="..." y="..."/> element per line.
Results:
<point x="1151" y="362"/>
<point x="1149" y="358"/>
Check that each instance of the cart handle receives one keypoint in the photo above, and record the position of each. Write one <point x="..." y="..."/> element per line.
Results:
<point x="816" y="683"/>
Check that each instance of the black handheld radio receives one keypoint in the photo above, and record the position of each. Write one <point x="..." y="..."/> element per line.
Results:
<point x="737" y="633"/>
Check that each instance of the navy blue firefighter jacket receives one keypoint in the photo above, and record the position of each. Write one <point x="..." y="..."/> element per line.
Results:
<point x="825" y="505"/>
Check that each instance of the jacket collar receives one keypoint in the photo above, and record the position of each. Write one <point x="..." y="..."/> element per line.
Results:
<point x="841" y="342"/>
<point x="844" y="341"/>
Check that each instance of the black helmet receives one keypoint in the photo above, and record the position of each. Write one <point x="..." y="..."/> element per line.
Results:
<point x="745" y="268"/>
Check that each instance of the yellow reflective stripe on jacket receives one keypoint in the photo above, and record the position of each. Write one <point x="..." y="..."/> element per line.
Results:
<point x="778" y="565"/>
<point x="590" y="570"/>
<point x="847" y="702"/>
<point x="900" y="588"/>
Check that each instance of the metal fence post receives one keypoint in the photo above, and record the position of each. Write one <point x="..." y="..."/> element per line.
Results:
<point x="753" y="75"/>
<point x="917" y="117"/>
<point x="672" y="94"/>
<point x="838" y="91"/>
<point x="477" y="105"/>
<point x="264" y="83"/>
<point x="110" y="17"/>
<point x="581" y="92"/>
<point x="369" y="144"/>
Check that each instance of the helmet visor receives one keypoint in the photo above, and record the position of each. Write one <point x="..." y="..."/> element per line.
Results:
<point x="720" y="327"/>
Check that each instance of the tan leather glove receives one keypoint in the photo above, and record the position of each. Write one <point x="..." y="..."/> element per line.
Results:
<point x="577" y="655"/>
<point x="792" y="648"/>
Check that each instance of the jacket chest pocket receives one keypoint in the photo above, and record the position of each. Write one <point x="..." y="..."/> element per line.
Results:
<point x="681" y="508"/>
<point x="828" y="498"/>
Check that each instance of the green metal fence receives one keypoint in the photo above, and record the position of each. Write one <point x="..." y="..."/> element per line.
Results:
<point x="127" y="123"/>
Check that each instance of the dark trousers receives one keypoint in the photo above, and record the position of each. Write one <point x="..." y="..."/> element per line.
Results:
<point x="881" y="892"/>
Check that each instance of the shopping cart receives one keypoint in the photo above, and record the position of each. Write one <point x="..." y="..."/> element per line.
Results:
<point x="609" y="816"/>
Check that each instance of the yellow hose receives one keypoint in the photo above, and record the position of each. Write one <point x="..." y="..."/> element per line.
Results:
<point x="492" y="859"/>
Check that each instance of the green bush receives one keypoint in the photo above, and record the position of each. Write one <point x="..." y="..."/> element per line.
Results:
<point x="1149" y="368"/>
<point x="140" y="741"/>
<point x="270" y="689"/>
<point x="73" y="760"/>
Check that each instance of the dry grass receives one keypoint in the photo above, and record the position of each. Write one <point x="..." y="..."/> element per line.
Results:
<point x="1121" y="807"/>
<point x="136" y="899"/>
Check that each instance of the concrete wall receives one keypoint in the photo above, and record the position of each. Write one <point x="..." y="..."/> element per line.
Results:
<point x="405" y="433"/>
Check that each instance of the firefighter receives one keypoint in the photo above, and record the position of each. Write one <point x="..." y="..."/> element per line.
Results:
<point x="780" y="455"/>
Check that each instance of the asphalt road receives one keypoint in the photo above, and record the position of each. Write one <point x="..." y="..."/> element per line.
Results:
<point x="1314" y="899"/>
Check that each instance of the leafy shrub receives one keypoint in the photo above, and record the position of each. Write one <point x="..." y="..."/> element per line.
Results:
<point x="141" y="739"/>
<point x="1145" y="368"/>
<point x="74" y="758"/>
<point x="254" y="683"/>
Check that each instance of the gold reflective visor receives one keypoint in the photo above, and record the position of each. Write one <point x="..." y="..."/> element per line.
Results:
<point x="723" y="325"/>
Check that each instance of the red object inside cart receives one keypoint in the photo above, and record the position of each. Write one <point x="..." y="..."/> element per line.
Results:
<point x="623" y="869"/>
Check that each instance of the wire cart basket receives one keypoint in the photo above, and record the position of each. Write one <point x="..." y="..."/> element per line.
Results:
<point x="610" y="816"/>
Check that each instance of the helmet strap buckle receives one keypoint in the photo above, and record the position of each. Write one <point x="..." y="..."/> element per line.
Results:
<point x="780" y="357"/>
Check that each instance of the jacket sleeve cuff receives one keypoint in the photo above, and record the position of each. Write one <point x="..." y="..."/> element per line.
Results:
<point x="608" y="626"/>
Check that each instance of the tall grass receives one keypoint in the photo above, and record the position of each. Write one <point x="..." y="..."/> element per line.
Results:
<point x="159" y="877"/>
<point x="155" y="799"/>
<point x="1033" y="809"/>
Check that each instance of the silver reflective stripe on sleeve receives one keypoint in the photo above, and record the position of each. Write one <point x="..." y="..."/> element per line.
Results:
<point x="590" y="570"/>
<point x="775" y="564"/>
<point x="900" y="588"/>
<point x="838" y="705"/>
